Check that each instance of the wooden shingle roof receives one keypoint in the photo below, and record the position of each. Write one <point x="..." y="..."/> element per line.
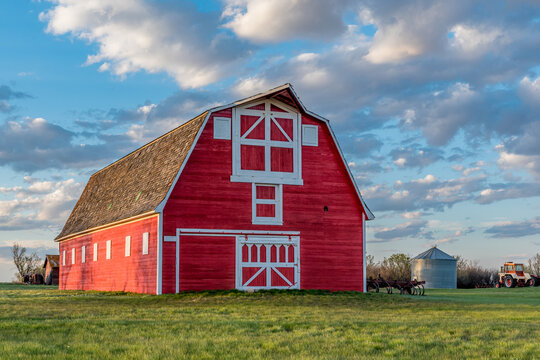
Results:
<point x="54" y="260"/>
<point x="135" y="184"/>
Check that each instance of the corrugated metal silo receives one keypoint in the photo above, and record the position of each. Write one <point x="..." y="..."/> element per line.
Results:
<point x="436" y="268"/>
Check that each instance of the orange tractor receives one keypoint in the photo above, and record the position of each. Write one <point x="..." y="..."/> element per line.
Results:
<point x="512" y="275"/>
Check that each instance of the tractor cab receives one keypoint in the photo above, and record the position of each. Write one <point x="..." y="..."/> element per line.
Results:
<point x="511" y="268"/>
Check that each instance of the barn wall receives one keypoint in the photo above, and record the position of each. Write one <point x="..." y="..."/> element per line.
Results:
<point x="136" y="273"/>
<point x="207" y="263"/>
<point x="331" y="249"/>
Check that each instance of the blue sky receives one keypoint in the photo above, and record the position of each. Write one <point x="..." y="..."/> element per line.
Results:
<point x="435" y="104"/>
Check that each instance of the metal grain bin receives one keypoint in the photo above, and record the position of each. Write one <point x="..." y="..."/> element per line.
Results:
<point x="436" y="268"/>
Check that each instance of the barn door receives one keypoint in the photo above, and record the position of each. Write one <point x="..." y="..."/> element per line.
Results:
<point x="267" y="262"/>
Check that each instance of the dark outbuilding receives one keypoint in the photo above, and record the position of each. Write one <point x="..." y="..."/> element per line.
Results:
<point x="51" y="266"/>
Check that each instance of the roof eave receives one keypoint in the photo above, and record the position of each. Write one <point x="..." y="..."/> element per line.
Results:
<point x="102" y="227"/>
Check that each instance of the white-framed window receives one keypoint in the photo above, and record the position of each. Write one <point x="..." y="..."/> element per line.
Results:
<point x="95" y="251"/>
<point x="145" y="237"/>
<point x="267" y="204"/>
<point x="310" y="135"/>
<point x="72" y="256"/>
<point x="83" y="254"/>
<point x="64" y="258"/>
<point x="266" y="144"/>
<point x="108" y="250"/>
<point x="222" y="128"/>
<point x="128" y="245"/>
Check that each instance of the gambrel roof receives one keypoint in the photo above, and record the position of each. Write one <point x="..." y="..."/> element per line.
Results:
<point x="135" y="184"/>
<point x="140" y="182"/>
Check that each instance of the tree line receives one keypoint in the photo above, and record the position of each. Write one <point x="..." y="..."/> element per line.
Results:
<point x="469" y="273"/>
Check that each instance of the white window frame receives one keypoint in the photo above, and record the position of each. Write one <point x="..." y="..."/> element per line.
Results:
<point x="306" y="140"/>
<point x="128" y="246"/>
<point x="72" y="256"/>
<point x="83" y="254"/>
<point x="240" y="175"/>
<point x="64" y="258"/>
<point x="95" y="251"/>
<point x="277" y="202"/>
<point x="222" y="128"/>
<point x="108" y="250"/>
<point x="145" y="239"/>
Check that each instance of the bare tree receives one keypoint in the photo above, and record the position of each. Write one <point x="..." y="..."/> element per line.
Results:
<point x="25" y="264"/>
<point x="534" y="265"/>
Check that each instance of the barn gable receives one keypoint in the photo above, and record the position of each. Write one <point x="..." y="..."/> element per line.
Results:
<point x="284" y="95"/>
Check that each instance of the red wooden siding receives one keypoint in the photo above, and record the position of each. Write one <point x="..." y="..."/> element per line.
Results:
<point x="169" y="267"/>
<point x="136" y="273"/>
<point x="207" y="263"/>
<point x="331" y="245"/>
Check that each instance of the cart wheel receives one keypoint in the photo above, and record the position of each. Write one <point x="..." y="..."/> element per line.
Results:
<point x="531" y="282"/>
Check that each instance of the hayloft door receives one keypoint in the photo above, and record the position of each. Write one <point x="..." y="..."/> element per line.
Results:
<point x="264" y="262"/>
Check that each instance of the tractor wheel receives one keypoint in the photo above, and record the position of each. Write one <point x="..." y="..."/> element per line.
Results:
<point x="531" y="282"/>
<point x="509" y="281"/>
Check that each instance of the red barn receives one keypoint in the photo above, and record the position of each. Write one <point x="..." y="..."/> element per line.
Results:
<point x="250" y="195"/>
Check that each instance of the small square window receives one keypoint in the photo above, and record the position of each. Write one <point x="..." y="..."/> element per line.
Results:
<point x="83" y="254"/>
<point x="72" y="256"/>
<point x="145" y="243"/>
<point x="310" y="135"/>
<point x="95" y="251"/>
<point x="267" y="207"/>
<point x="128" y="245"/>
<point x="222" y="128"/>
<point x="108" y="250"/>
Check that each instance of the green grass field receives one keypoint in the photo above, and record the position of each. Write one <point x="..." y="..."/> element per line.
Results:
<point x="42" y="322"/>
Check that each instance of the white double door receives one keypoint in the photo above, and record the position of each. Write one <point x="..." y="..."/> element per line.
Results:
<point x="267" y="262"/>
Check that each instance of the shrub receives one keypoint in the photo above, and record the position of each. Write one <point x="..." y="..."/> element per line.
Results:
<point x="471" y="275"/>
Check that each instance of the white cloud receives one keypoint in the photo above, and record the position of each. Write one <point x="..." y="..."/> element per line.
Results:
<point x="512" y="161"/>
<point x="410" y="228"/>
<point x="475" y="41"/>
<point x="42" y="204"/>
<point x="253" y="85"/>
<point x="529" y="91"/>
<point x="135" y="35"/>
<point x="402" y="28"/>
<point x="411" y="215"/>
<point x="281" y="20"/>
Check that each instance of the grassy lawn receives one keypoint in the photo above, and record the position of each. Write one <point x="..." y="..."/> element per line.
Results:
<point x="42" y="322"/>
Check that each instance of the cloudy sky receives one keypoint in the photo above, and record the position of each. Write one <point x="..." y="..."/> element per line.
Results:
<point x="435" y="104"/>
